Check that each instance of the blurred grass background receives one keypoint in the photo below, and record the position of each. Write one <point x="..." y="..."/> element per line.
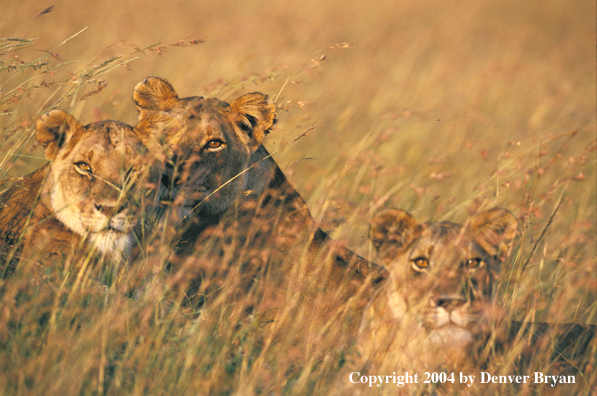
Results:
<point x="440" y="108"/>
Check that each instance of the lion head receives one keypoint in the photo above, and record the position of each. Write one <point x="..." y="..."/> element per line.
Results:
<point x="91" y="183"/>
<point x="205" y="143"/>
<point x="442" y="275"/>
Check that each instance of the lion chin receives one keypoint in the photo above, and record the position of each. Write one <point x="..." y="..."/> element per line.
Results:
<point x="451" y="335"/>
<point x="112" y="243"/>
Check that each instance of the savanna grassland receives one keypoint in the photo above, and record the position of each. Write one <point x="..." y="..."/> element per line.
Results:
<point x="439" y="108"/>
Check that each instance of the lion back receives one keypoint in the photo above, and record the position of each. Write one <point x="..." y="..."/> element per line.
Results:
<point x="16" y="205"/>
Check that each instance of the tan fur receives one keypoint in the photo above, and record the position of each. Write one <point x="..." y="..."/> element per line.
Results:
<point x="256" y="225"/>
<point x="442" y="280"/>
<point x="16" y="204"/>
<point x="83" y="202"/>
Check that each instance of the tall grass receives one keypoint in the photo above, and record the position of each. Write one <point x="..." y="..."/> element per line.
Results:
<point x="442" y="110"/>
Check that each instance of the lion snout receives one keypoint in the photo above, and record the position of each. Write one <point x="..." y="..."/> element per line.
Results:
<point x="447" y="310"/>
<point x="448" y="302"/>
<point x="117" y="216"/>
<point x="123" y="222"/>
<point x="109" y="210"/>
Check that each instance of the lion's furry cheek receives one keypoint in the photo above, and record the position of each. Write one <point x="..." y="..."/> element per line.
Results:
<point x="397" y="304"/>
<point x="123" y="223"/>
<point x="465" y="316"/>
<point x="69" y="217"/>
<point x="66" y="210"/>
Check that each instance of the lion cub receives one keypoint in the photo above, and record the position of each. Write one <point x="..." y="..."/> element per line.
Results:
<point x="441" y="286"/>
<point x="84" y="198"/>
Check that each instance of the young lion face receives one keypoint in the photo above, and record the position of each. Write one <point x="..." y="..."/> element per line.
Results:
<point x="205" y="143"/>
<point x="93" y="178"/>
<point x="442" y="275"/>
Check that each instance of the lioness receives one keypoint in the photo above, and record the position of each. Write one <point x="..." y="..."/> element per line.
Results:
<point x="83" y="195"/>
<point x="437" y="313"/>
<point x="441" y="285"/>
<point x="241" y="207"/>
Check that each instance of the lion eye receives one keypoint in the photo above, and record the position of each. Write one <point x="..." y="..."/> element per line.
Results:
<point x="214" y="144"/>
<point x="473" y="263"/>
<point x="83" y="166"/>
<point x="421" y="262"/>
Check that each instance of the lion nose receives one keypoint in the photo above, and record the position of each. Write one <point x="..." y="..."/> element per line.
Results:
<point x="448" y="303"/>
<point x="111" y="210"/>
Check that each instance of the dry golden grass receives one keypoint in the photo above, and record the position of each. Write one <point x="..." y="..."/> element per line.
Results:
<point x="440" y="108"/>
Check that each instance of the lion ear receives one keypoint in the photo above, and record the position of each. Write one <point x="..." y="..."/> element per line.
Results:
<point x="257" y="116"/>
<point x="393" y="231"/>
<point x="494" y="230"/>
<point x="54" y="130"/>
<point x="154" y="94"/>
